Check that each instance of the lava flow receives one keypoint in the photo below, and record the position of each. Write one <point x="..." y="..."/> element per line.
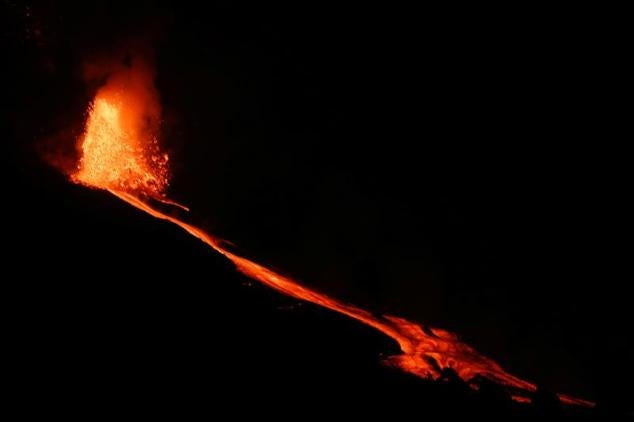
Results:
<point x="120" y="154"/>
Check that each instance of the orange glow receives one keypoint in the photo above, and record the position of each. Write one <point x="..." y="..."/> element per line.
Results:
<point x="119" y="149"/>
<point x="120" y="158"/>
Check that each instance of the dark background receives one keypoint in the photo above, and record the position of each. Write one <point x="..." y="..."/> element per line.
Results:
<point x="461" y="168"/>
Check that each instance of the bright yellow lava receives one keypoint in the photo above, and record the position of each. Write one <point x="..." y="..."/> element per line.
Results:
<point x="116" y="153"/>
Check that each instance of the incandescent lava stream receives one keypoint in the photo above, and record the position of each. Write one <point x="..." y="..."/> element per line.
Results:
<point x="119" y="152"/>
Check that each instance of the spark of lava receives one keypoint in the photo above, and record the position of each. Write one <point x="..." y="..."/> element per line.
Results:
<point x="119" y="153"/>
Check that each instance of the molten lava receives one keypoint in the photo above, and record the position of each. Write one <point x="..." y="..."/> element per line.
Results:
<point x="119" y="149"/>
<point x="115" y="156"/>
<point x="121" y="155"/>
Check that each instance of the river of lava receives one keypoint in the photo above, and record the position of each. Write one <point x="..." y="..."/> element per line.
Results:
<point x="118" y="157"/>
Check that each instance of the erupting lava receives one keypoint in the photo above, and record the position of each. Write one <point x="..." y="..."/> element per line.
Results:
<point x="119" y="149"/>
<point x="120" y="153"/>
<point x="115" y="158"/>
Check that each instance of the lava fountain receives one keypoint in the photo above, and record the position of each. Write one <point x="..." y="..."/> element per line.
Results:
<point x="119" y="153"/>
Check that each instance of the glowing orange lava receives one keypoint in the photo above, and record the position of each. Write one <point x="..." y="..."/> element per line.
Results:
<point x="118" y="157"/>
<point x="119" y="149"/>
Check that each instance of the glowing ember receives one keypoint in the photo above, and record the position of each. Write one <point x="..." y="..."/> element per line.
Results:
<point x="118" y="155"/>
<point x="119" y="149"/>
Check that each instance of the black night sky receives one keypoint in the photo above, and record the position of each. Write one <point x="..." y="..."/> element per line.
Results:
<point x="461" y="168"/>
